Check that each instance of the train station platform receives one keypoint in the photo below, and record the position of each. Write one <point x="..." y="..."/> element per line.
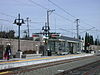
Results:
<point x="19" y="62"/>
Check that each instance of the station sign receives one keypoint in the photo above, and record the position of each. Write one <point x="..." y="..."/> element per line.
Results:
<point x="35" y="37"/>
<point x="55" y="35"/>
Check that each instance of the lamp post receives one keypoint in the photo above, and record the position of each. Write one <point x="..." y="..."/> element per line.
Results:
<point x="19" y="22"/>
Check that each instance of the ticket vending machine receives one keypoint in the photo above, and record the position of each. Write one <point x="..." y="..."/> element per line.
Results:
<point x="1" y="51"/>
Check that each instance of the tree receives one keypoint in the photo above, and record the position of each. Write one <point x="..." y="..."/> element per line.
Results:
<point x="99" y="42"/>
<point x="96" y="41"/>
<point x="79" y="37"/>
<point x="88" y="40"/>
<point x="10" y="34"/>
<point x="91" y="40"/>
<point x="2" y="34"/>
<point x="82" y="38"/>
<point x="25" y="36"/>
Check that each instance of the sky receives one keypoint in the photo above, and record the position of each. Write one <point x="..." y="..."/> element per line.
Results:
<point x="62" y="20"/>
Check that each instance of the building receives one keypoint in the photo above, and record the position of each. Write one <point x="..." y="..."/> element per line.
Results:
<point x="62" y="44"/>
<point x="53" y="45"/>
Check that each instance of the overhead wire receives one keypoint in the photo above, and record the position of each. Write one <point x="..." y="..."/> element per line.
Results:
<point x="53" y="12"/>
<point x="66" y="30"/>
<point x="87" y="23"/>
<point x="25" y="4"/>
<point x="62" y="17"/>
<point x="88" y="29"/>
<point x="61" y="9"/>
<point x="37" y="22"/>
<point x="47" y="9"/>
<point x="5" y="20"/>
<point x="38" y="4"/>
<point x="7" y="15"/>
<point x="67" y="12"/>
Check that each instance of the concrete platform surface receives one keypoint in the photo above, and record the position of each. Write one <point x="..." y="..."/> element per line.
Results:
<point x="17" y="62"/>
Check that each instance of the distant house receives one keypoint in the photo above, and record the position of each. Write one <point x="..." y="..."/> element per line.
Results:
<point x="94" y="47"/>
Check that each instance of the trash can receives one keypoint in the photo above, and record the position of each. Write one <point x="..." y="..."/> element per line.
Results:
<point x="49" y="53"/>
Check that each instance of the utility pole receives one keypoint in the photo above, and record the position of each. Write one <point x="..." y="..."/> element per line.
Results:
<point x="28" y="32"/>
<point x="1" y="34"/>
<point x="48" y="13"/>
<point x="19" y="22"/>
<point x="77" y="27"/>
<point x="97" y="40"/>
<point x="46" y="31"/>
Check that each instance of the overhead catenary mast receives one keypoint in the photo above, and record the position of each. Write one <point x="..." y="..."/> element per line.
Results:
<point x="48" y="13"/>
<point x="77" y="28"/>
<point x="28" y="32"/>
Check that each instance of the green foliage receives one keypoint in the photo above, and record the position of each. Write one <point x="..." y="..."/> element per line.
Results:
<point x="82" y="38"/>
<point x="79" y="37"/>
<point x="88" y="40"/>
<point x="97" y="42"/>
<point x="10" y="34"/>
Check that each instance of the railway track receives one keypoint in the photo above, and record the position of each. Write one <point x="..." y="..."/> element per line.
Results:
<point x="19" y="70"/>
<point x="88" y="69"/>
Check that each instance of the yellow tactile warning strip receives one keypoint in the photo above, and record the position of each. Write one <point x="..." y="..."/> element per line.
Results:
<point x="39" y="58"/>
<point x="1" y="73"/>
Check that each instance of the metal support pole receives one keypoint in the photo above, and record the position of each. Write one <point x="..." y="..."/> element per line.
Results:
<point x="77" y="27"/>
<point x="48" y="13"/>
<point x="48" y="17"/>
<point x="27" y="19"/>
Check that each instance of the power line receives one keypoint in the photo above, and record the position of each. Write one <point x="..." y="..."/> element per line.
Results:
<point x="5" y="20"/>
<point x="61" y="9"/>
<point x="37" y="22"/>
<point x="47" y="9"/>
<point x="66" y="30"/>
<point x="28" y="31"/>
<point x="37" y="4"/>
<point x="7" y="15"/>
<point x="55" y="13"/>
<point x="66" y="11"/>
<point x="62" y="17"/>
<point x="87" y="24"/>
<point x="77" y="27"/>
<point x="19" y="1"/>
<point x="88" y="30"/>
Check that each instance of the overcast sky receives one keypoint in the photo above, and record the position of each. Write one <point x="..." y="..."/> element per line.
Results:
<point x="63" y="21"/>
